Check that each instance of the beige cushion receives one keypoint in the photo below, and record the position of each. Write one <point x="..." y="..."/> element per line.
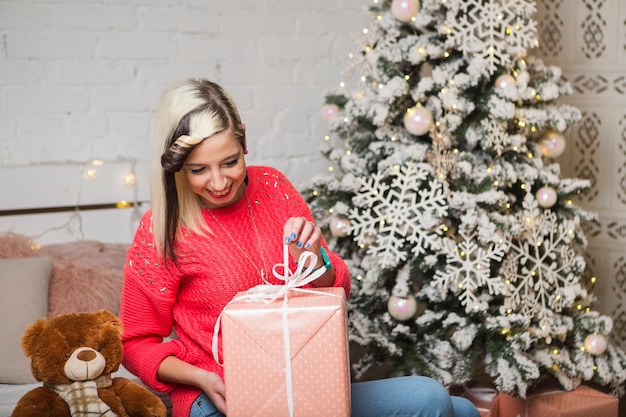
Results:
<point x="23" y="299"/>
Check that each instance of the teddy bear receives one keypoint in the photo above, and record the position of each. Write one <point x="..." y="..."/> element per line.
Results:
<point x="74" y="355"/>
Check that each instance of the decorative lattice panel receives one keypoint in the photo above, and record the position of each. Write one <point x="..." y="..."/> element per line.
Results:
<point x="587" y="40"/>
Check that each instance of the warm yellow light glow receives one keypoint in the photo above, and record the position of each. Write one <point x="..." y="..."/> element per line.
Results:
<point x="91" y="173"/>
<point x="130" y="180"/>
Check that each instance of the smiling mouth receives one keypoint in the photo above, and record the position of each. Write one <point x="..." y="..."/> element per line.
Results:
<point x="221" y="194"/>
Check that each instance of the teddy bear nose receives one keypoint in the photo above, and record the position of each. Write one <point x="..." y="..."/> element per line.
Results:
<point x="86" y="355"/>
<point x="84" y="364"/>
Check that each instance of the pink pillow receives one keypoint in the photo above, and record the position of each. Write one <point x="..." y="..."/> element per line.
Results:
<point x="86" y="275"/>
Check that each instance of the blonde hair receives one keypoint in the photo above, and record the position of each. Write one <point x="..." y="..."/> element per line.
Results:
<point x="189" y="112"/>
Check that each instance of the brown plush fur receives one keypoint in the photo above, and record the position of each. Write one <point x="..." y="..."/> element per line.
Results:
<point x="86" y="275"/>
<point x="49" y="343"/>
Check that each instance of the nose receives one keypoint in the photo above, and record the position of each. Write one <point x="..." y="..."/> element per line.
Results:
<point x="218" y="182"/>
<point x="84" y="364"/>
<point x="86" y="355"/>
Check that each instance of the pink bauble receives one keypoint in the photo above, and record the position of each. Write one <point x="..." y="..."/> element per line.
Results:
<point x="329" y="111"/>
<point x="402" y="308"/>
<point x="418" y="120"/>
<point x="505" y="82"/>
<point x="552" y="144"/>
<point x="595" y="344"/>
<point x="339" y="226"/>
<point x="404" y="10"/>
<point x="546" y="197"/>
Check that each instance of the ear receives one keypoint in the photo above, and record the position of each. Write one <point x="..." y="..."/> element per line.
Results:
<point x="30" y="336"/>
<point x="106" y="317"/>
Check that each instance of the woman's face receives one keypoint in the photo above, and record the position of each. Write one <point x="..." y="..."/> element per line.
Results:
<point x="216" y="170"/>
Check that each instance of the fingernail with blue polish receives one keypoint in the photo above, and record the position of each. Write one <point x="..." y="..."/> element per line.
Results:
<point x="308" y="245"/>
<point x="287" y="240"/>
<point x="293" y="236"/>
<point x="299" y="244"/>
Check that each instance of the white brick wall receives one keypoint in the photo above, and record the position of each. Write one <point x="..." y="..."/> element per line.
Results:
<point x="80" y="79"/>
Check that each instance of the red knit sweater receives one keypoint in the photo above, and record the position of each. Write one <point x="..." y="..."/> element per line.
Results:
<point x="211" y="271"/>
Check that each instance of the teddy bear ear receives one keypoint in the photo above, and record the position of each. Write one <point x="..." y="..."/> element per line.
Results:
<point x="30" y="336"/>
<point x="111" y="319"/>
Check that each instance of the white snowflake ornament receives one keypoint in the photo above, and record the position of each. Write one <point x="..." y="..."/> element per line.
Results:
<point x="398" y="211"/>
<point x="497" y="30"/>
<point x="468" y="268"/>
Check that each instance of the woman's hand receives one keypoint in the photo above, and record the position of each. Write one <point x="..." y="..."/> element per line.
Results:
<point x="175" y="370"/>
<point x="213" y="386"/>
<point x="302" y="235"/>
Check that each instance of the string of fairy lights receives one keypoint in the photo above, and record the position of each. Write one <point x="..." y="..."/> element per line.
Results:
<point x="90" y="171"/>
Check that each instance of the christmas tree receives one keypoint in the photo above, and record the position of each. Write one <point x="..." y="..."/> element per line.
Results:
<point x="446" y="200"/>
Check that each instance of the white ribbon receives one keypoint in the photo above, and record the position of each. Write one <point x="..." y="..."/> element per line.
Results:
<point x="268" y="293"/>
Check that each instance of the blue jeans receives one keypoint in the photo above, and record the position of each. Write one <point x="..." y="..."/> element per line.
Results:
<point x="409" y="396"/>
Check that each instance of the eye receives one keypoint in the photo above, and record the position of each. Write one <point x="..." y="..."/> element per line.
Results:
<point x="232" y="163"/>
<point x="197" y="171"/>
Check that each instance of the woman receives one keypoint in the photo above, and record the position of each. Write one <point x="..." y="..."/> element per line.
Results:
<point x="216" y="227"/>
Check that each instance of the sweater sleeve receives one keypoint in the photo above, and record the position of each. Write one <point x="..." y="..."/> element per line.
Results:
<point x="298" y="207"/>
<point x="148" y="293"/>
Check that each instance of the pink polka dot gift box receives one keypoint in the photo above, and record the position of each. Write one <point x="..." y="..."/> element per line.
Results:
<point x="288" y="356"/>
